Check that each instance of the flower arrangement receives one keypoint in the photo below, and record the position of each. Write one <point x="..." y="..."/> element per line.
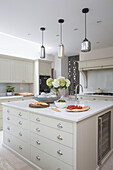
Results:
<point x="59" y="83"/>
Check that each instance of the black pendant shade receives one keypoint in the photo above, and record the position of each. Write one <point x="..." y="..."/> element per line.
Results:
<point x="42" y="51"/>
<point x="61" y="46"/>
<point x="86" y="44"/>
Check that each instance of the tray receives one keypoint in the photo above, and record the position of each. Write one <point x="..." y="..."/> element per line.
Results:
<point x="85" y="108"/>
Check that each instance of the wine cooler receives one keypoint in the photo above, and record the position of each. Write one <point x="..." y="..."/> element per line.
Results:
<point x="104" y="135"/>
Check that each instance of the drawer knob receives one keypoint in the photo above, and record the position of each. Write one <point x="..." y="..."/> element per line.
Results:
<point x="59" y="137"/>
<point x="38" y="158"/>
<point x="37" y="119"/>
<point x="8" y="140"/>
<point x="59" y="152"/>
<point x="37" y="129"/>
<point x="8" y="111"/>
<point x="20" y="148"/>
<point x="38" y="142"/>
<point x="20" y="133"/>
<point x="8" y="118"/>
<point x="59" y="125"/>
<point x="20" y="114"/>
<point x="8" y="128"/>
<point x="20" y="123"/>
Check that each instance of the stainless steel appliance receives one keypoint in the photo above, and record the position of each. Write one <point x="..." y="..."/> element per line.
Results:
<point x="104" y="136"/>
<point x="42" y="84"/>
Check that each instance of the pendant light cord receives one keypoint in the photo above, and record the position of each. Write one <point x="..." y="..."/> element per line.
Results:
<point x="42" y="38"/>
<point x="85" y="25"/>
<point x="61" y="33"/>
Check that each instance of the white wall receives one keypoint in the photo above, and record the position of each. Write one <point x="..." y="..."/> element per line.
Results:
<point x="98" y="78"/>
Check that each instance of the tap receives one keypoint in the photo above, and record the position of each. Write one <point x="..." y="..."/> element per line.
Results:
<point x="76" y="90"/>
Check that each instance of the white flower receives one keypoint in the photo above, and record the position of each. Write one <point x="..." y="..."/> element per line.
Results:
<point x="56" y="83"/>
<point x="61" y="77"/>
<point x="67" y="82"/>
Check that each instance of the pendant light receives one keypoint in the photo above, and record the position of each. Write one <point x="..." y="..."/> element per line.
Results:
<point x="86" y="44"/>
<point x="61" y="46"/>
<point x="42" y="51"/>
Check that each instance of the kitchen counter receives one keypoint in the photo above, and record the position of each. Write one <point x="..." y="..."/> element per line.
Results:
<point x="95" y="108"/>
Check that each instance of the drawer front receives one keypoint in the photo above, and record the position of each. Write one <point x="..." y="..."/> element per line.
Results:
<point x="47" y="162"/>
<point x="52" y="148"/>
<point x="19" y="146"/>
<point x="16" y="121"/>
<point x="55" y="123"/>
<point x="1" y="114"/>
<point x="16" y="131"/>
<point x="1" y="124"/>
<point x="53" y="134"/>
<point x="16" y="112"/>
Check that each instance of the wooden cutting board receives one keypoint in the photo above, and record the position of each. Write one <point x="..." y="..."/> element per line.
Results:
<point x="79" y="110"/>
<point x="24" y="94"/>
<point x="38" y="106"/>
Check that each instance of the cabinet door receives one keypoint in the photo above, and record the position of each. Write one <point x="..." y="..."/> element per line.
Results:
<point x="29" y="72"/>
<point x="18" y="71"/>
<point x="44" y="68"/>
<point x="5" y="71"/>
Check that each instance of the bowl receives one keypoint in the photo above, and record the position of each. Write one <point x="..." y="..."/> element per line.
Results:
<point x="60" y="104"/>
<point x="46" y="99"/>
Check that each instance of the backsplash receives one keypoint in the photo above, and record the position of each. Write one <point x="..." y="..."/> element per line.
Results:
<point x="100" y="79"/>
<point x="18" y="87"/>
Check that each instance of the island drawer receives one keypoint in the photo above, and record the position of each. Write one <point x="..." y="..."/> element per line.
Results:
<point x="55" y="123"/>
<point x="16" y="112"/>
<point x="16" y="121"/>
<point x="53" y="134"/>
<point x="46" y="161"/>
<point x="19" y="146"/>
<point x="16" y="131"/>
<point x="52" y="148"/>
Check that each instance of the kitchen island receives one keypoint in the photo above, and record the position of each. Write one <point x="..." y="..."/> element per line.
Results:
<point x="63" y="140"/>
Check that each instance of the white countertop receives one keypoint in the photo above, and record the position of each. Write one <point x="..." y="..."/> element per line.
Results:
<point x="95" y="107"/>
<point x="10" y="97"/>
<point x="94" y="95"/>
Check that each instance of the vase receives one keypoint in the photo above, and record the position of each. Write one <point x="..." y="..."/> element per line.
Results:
<point x="63" y="92"/>
<point x="55" y="92"/>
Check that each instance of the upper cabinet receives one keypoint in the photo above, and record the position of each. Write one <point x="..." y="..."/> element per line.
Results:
<point x="5" y="68"/>
<point x="44" y="68"/>
<point x="16" y="70"/>
<point x="103" y="63"/>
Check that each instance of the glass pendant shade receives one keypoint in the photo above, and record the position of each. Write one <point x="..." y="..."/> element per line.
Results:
<point x="61" y="46"/>
<point x="61" y="51"/>
<point x="86" y="44"/>
<point x="42" y="50"/>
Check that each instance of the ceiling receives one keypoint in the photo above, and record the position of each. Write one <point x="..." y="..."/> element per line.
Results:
<point x="23" y="19"/>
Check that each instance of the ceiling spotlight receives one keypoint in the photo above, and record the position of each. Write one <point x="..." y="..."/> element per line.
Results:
<point x="98" y="22"/>
<point x="86" y="44"/>
<point x="42" y="52"/>
<point x="61" y="46"/>
<point x="75" y="29"/>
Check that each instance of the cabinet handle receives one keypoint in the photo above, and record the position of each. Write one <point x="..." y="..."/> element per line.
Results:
<point x="20" y="133"/>
<point x="8" y="128"/>
<point x="20" y="114"/>
<point x="8" y="118"/>
<point x="37" y="119"/>
<point x="20" y="148"/>
<point x="94" y="98"/>
<point x="37" y="129"/>
<point x="38" y="142"/>
<point x="59" y="125"/>
<point x="20" y="123"/>
<point x="59" y="152"/>
<point x="106" y="99"/>
<point x="8" y="140"/>
<point x="59" y="137"/>
<point x="38" y="158"/>
<point x="8" y="111"/>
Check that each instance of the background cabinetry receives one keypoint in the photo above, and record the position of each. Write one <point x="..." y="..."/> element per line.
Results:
<point x="44" y="68"/>
<point x="5" y="69"/>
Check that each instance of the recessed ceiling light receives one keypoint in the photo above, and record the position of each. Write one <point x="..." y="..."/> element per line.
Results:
<point x="99" y="21"/>
<point x="29" y="34"/>
<point x="97" y="42"/>
<point x="57" y="35"/>
<point x="75" y="29"/>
